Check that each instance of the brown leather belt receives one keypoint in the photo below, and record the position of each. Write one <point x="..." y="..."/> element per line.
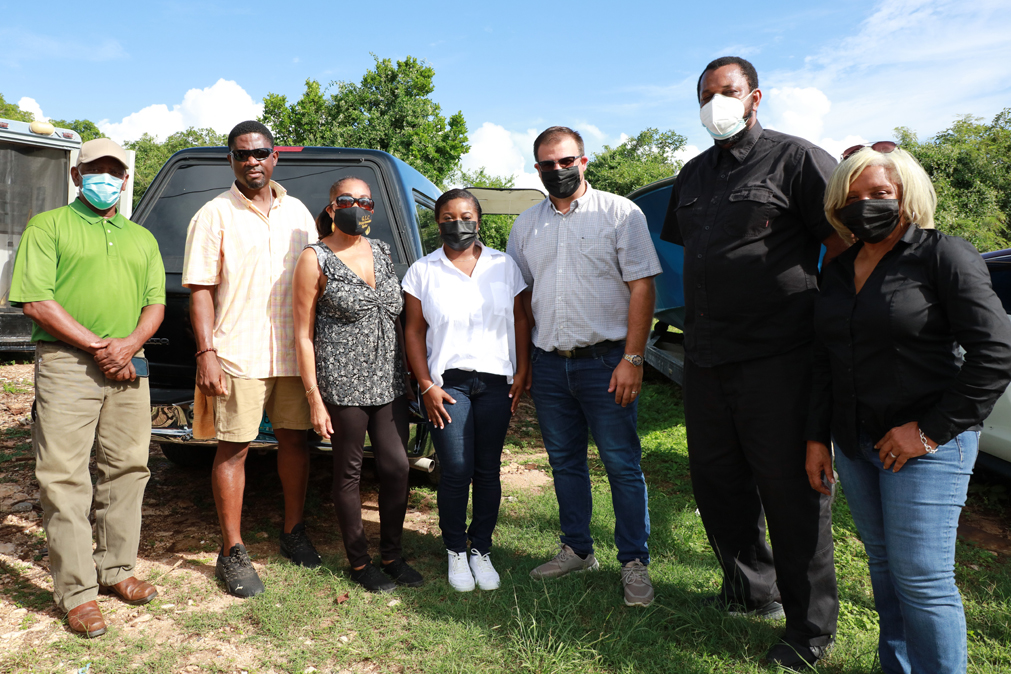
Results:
<point x="592" y="351"/>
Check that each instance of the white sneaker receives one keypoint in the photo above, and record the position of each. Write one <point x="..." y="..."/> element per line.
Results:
<point x="459" y="572"/>
<point x="484" y="573"/>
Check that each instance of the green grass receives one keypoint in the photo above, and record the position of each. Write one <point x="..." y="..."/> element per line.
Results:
<point x="574" y="624"/>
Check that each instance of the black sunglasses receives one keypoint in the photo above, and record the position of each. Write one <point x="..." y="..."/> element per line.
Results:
<point x="259" y="154"/>
<point x="564" y="162"/>
<point x="347" y="201"/>
<point x="882" y="146"/>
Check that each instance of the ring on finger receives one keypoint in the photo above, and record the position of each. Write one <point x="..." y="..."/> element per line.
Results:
<point x="892" y="455"/>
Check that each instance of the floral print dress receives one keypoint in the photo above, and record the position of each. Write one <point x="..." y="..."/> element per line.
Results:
<point x="358" y="360"/>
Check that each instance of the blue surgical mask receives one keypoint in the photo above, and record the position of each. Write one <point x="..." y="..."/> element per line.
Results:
<point x="101" y="189"/>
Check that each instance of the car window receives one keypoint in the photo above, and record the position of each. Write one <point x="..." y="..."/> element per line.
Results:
<point x="1000" y="277"/>
<point x="428" y="230"/>
<point x="190" y="186"/>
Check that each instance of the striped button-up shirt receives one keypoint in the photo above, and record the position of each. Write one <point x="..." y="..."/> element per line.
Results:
<point x="578" y="265"/>
<point x="250" y="258"/>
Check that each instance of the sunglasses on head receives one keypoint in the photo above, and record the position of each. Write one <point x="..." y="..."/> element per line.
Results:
<point x="347" y="201"/>
<point x="882" y="146"/>
<point x="564" y="162"/>
<point x="259" y="154"/>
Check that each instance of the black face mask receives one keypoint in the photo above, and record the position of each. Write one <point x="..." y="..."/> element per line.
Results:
<point x="563" y="183"/>
<point x="458" y="234"/>
<point x="870" y="220"/>
<point x="353" y="221"/>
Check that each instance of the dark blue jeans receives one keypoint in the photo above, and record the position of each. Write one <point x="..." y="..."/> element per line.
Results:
<point x="571" y="399"/>
<point x="470" y="451"/>
<point x="908" y="522"/>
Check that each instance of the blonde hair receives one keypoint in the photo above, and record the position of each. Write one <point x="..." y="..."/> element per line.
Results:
<point x="917" y="202"/>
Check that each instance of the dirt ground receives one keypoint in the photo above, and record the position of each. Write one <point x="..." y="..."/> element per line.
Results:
<point x="179" y="537"/>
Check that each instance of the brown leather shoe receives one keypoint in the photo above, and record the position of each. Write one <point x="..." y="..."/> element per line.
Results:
<point x="87" y="620"/>
<point x="131" y="590"/>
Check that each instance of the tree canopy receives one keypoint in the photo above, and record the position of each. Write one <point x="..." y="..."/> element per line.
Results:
<point x="13" y="112"/>
<point x="390" y="110"/>
<point x="85" y="128"/>
<point x="152" y="155"/>
<point x="638" y="161"/>
<point x="970" y="166"/>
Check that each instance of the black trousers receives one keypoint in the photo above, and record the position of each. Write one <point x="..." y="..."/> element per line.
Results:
<point x="746" y="449"/>
<point x="387" y="426"/>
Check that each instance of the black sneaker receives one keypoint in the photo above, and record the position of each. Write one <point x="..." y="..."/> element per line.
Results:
<point x="372" y="579"/>
<point x="297" y="547"/>
<point x="401" y="572"/>
<point x="238" y="573"/>
<point x="771" y="611"/>
<point x="796" y="658"/>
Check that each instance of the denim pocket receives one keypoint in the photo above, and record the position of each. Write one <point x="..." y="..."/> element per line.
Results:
<point x="535" y="355"/>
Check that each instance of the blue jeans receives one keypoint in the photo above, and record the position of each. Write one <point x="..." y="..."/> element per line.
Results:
<point x="908" y="521"/>
<point x="571" y="398"/>
<point x="470" y="451"/>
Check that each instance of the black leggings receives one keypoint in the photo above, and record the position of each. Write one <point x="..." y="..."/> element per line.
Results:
<point x="387" y="426"/>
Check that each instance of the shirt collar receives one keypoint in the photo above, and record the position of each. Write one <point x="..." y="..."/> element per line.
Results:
<point x="440" y="254"/>
<point x="91" y="217"/>
<point x="912" y="235"/>
<point x="279" y="193"/>
<point x="742" y="148"/>
<point x="574" y="206"/>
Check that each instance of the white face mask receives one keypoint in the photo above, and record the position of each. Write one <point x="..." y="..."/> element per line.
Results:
<point x="723" y="116"/>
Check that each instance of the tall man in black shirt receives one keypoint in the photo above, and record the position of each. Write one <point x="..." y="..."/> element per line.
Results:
<point x="749" y="214"/>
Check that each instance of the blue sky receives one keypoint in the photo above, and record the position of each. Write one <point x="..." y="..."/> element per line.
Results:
<point x="834" y="72"/>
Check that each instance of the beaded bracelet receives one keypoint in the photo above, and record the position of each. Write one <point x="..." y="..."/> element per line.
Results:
<point x="198" y="353"/>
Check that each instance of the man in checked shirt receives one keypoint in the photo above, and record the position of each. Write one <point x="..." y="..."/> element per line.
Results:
<point x="589" y="264"/>
<point x="241" y="249"/>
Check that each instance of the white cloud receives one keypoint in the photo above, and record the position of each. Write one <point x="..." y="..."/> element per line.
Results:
<point x="502" y="153"/>
<point x="32" y="106"/>
<point x="219" y="107"/>
<point x="686" y="153"/>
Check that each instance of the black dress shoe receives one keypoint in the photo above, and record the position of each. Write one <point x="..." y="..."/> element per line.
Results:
<point x="402" y="573"/>
<point x="796" y="658"/>
<point x="372" y="579"/>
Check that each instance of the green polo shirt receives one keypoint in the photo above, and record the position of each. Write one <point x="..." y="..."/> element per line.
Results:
<point x="103" y="272"/>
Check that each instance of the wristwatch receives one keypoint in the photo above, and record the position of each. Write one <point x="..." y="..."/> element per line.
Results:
<point x="633" y="359"/>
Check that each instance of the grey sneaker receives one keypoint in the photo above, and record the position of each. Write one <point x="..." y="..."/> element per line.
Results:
<point x="638" y="588"/>
<point x="565" y="562"/>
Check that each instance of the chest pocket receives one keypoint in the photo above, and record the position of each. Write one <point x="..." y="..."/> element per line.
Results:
<point x="752" y="212"/>
<point x="687" y="216"/>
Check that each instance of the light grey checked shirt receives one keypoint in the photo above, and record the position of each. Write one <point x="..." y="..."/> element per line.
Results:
<point x="577" y="266"/>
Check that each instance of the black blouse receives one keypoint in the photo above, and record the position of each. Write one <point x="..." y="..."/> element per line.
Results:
<point x="890" y="354"/>
<point x="358" y="361"/>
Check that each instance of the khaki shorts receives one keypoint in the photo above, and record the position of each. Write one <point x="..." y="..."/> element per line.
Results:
<point x="237" y="415"/>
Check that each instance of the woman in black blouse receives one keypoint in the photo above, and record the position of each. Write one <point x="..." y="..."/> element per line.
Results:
<point x="346" y="302"/>
<point x="893" y="392"/>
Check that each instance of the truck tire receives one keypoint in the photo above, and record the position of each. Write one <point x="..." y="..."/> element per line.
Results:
<point x="188" y="456"/>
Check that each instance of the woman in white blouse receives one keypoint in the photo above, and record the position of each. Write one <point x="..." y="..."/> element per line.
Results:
<point x="467" y="338"/>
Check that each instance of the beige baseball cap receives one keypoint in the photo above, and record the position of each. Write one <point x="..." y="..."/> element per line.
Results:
<point x="102" y="147"/>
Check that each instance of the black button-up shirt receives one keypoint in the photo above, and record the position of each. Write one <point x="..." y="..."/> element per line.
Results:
<point x="889" y="354"/>
<point x="751" y="221"/>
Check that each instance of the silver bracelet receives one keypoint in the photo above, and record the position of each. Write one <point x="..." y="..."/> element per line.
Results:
<point x="926" y="445"/>
<point x="433" y="384"/>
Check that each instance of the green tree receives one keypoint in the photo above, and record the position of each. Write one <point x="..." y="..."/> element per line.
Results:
<point x="970" y="166"/>
<point x="390" y="110"/>
<point x="152" y="155"/>
<point x="13" y="112"/>
<point x="638" y="161"/>
<point x="85" y="128"/>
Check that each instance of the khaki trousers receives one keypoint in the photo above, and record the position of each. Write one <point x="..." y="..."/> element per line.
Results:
<point x="75" y="405"/>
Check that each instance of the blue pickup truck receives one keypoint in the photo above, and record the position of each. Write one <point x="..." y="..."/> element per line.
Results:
<point x="404" y="218"/>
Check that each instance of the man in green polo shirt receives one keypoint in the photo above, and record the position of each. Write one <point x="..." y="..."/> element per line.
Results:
<point x="93" y="284"/>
